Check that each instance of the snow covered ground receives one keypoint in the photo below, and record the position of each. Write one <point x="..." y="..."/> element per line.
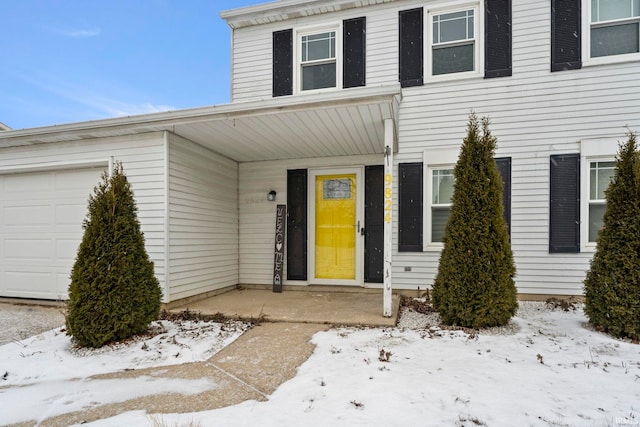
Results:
<point x="546" y="369"/>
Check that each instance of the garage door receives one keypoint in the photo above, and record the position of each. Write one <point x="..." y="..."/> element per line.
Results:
<point x="41" y="215"/>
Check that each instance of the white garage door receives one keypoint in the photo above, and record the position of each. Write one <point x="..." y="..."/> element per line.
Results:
<point x="41" y="215"/>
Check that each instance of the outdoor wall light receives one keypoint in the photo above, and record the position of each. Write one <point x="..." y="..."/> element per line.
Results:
<point x="271" y="196"/>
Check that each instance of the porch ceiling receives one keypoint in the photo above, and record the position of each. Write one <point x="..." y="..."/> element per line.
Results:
<point x="348" y="122"/>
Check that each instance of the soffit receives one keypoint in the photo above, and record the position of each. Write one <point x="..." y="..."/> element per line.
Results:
<point x="349" y="122"/>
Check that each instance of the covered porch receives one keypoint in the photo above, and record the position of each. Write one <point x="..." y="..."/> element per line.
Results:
<point x="205" y="213"/>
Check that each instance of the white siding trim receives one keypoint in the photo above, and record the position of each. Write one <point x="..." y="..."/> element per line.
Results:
<point x="166" y="291"/>
<point x="36" y="167"/>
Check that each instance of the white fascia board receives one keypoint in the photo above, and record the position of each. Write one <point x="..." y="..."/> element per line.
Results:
<point x="164" y="120"/>
<point x="288" y="9"/>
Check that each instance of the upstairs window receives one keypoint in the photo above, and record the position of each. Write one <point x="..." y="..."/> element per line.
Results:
<point x="318" y="60"/>
<point x="323" y="58"/>
<point x="615" y="27"/>
<point x="600" y="175"/>
<point x="454" y="45"/>
<point x="453" y="42"/>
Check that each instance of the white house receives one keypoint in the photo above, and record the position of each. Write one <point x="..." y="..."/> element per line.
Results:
<point x="320" y="89"/>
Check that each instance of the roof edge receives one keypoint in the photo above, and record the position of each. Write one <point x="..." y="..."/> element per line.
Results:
<point x="382" y="93"/>
<point x="283" y="10"/>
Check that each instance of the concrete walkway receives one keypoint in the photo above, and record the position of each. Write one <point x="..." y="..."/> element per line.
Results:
<point x="253" y="366"/>
<point x="322" y="305"/>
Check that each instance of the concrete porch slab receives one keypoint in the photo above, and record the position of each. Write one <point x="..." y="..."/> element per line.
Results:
<point x="303" y="306"/>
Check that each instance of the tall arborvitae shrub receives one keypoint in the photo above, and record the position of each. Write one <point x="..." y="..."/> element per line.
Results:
<point x="114" y="293"/>
<point x="612" y="285"/>
<point x="474" y="286"/>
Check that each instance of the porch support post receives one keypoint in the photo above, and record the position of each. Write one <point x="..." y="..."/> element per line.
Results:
<point x="388" y="209"/>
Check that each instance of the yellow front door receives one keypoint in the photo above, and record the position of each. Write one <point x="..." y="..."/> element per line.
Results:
<point x="335" y="227"/>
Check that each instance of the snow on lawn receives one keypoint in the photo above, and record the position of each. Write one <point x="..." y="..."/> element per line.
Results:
<point x="47" y="373"/>
<point x="548" y="369"/>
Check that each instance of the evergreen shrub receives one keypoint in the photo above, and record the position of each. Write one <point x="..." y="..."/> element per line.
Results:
<point x="612" y="284"/>
<point x="114" y="293"/>
<point x="474" y="285"/>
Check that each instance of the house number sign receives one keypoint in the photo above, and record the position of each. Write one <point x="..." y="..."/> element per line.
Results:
<point x="278" y="258"/>
<point x="388" y="197"/>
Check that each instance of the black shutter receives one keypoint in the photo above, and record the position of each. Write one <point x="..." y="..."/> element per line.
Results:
<point x="410" y="207"/>
<point x="297" y="224"/>
<point x="564" y="213"/>
<point x="373" y="224"/>
<point x="497" y="38"/>
<point x="354" y="43"/>
<point x="411" y="51"/>
<point x="566" y="41"/>
<point x="282" y="63"/>
<point x="504" y="167"/>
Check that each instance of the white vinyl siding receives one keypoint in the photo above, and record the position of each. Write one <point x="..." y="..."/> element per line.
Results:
<point x="203" y="219"/>
<point x="252" y="50"/>
<point x="252" y="62"/>
<point x="142" y="159"/>
<point x="533" y="114"/>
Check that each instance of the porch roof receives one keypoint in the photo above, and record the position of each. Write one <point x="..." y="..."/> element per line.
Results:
<point x="341" y="123"/>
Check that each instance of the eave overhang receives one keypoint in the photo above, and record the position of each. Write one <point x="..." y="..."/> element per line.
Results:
<point x="277" y="11"/>
<point x="338" y="123"/>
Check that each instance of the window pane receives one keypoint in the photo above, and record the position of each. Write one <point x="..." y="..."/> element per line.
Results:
<point x="318" y="46"/>
<point x="606" y="10"/>
<point x="600" y="175"/>
<point x="442" y="186"/>
<point x="455" y="26"/>
<point x="453" y="59"/>
<point x="596" y="212"/>
<point x="439" y="218"/>
<point x="614" y="40"/>
<point x="318" y="76"/>
<point x="336" y="189"/>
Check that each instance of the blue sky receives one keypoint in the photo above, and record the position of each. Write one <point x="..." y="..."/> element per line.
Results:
<point x="66" y="61"/>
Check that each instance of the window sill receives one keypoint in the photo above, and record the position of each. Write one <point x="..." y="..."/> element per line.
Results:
<point x="468" y="75"/>
<point x="316" y="91"/>
<point x="612" y="59"/>
<point x="434" y="247"/>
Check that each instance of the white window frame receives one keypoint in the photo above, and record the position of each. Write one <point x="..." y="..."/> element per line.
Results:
<point x="297" y="42"/>
<point x="586" y="42"/>
<point x="434" y="160"/>
<point x="440" y="8"/>
<point x="591" y="150"/>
